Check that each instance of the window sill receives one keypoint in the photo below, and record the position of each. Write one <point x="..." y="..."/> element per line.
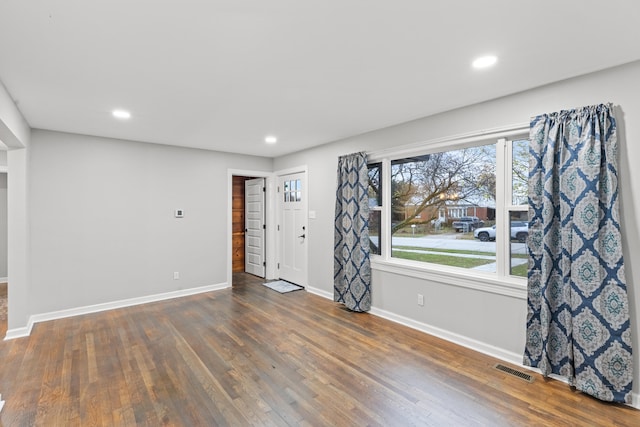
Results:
<point x="480" y="281"/>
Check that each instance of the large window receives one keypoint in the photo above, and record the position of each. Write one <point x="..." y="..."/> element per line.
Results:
<point x="463" y="207"/>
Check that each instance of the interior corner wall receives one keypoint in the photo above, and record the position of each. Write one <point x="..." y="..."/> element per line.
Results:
<point x="15" y="134"/>
<point x="102" y="219"/>
<point x="492" y="320"/>
<point x="18" y="234"/>
<point x="4" y="230"/>
<point x="14" y="130"/>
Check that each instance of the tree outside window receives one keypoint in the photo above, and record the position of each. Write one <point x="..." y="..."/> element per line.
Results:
<point x="443" y="207"/>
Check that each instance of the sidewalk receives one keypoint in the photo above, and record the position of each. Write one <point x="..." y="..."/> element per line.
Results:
<point x="451" y="241"/>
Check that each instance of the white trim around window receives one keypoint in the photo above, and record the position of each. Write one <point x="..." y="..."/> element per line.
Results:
<point x="500" y="282"/>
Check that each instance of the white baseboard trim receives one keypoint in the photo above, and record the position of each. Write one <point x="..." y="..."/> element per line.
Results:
<point x="44" y="317"/>
<point x="467" y="342"/>
<point x="18" y="332"/>
<point x="4" y="280"/>
<point x="438" y="332"/>
<point x="319" y="292"/>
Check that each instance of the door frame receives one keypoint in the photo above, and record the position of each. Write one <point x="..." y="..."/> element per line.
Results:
<point x="271" y="198"/>
<point x="270" y="235"/>
<point x="302" y="169"/>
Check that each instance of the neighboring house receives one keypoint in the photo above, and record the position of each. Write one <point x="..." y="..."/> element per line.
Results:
<point x="455" y="211"/>
<point x="449" y="212"/>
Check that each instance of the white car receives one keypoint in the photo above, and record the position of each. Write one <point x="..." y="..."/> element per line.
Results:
<point x="519" y="232"/>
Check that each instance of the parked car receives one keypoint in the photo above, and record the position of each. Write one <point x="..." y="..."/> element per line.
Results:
<point x="519" y="232"/>
<point x="467" y="223"/>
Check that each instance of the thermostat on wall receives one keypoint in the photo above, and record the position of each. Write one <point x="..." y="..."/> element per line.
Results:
<point x="179" y="213"/>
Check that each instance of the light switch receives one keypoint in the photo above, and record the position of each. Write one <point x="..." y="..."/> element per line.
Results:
<point x="179" y="213"/>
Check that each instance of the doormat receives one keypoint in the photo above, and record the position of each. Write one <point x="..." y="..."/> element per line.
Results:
<point x="282" y="286"/>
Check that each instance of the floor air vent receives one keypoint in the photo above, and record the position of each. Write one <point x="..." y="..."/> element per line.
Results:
<point x="523" y="376"/>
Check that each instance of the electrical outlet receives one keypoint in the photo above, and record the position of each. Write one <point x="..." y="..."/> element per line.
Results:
<point x="420" y="299"/>
<point x="176" y="275"/>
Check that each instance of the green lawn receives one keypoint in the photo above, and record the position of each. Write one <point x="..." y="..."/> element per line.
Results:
<point x="448" y="257"/>
<point x="520" y="270"/>
<point x="442" y="259"/>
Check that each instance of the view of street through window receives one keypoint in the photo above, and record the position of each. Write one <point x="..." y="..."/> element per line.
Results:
<point x="443" y="207"/>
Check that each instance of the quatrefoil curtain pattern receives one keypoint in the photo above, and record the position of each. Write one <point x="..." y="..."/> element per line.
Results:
<point x="352" y="266"/>
<point x="578" y="311"/>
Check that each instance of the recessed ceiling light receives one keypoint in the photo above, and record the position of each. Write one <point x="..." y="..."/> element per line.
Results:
<point x="485" y="61"/>
<point x="271" y="140"/>
<point x="121" y="114"/>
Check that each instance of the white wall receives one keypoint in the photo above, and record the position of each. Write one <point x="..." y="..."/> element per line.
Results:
<point x="492" y="322"/>
<point x="16" y="134"/>
<point x="102" y="219"/>
<point x="3" y="158"/>
<point x="3" y="225"/>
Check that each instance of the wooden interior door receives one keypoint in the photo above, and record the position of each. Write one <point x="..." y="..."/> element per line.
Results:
<point x="238" y="224"/>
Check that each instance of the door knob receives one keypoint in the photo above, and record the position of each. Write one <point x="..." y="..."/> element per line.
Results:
<point x="303" y="236"/>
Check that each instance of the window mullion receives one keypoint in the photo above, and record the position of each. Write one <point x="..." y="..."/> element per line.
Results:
<point x="386" y="209"/>
<point x="502" y="220"/>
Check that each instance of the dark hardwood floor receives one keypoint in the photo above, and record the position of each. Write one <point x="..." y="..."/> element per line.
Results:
<point x="251" y="356"/>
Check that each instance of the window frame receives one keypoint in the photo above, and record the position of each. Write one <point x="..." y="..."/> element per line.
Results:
<point x="509" y="207"/>
<point x="378" y="207"/>
<point x="500" y="282"/>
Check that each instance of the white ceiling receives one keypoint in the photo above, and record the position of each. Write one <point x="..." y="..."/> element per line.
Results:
<point x="223" y="74"/>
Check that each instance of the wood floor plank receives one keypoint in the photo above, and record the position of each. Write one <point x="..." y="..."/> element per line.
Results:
<point x="250" y="356"/>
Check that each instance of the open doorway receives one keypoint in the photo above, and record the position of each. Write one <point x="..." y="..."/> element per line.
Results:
<point x="248" y="225"/>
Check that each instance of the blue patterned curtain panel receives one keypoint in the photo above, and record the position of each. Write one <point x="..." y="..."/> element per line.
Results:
<point x="352" y="267"/>
<point x="578" y="310"/>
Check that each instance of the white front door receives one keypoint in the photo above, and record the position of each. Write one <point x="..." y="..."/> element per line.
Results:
<point x="292" y="228"/>
<point x="254" y="231"/>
